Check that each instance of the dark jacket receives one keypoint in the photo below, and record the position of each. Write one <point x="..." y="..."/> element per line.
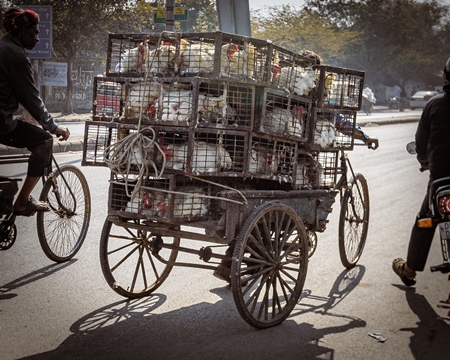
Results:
<point x="17" y="86"/>
<point x="433" y="135"/>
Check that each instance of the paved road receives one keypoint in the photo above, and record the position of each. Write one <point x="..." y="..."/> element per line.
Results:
<point x="67" y="311"/>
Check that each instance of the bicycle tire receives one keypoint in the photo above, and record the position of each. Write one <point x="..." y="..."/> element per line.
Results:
<point x="61" y="235"/>
<point x="353" y="227"/>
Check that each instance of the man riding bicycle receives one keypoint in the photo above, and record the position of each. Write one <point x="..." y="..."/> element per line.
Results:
<point x="17" y="87"/>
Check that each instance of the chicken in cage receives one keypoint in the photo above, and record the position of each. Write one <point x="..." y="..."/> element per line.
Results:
<point x="196" y="58"/>
<point x="263" y="159"/>
<point x="206" y="157"/>
<point x="142" y="98"/>
<point x="298" y="80"/>
<point x="324" y="133"/>
<point x="284" y="121"/>
<point x="134" y="59"/>
<point x="189" y="202"/>
<point x="309" y="172"/>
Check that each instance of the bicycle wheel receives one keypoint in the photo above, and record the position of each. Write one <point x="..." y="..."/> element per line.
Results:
<point x="270" y="262"/>
<point x="62" y="230"/>
<point x="353" y="221"/>
<point x="129" y="258"/>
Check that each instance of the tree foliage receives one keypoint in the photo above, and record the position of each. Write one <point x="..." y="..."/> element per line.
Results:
<point x="399" y="40"/>
<point x="304" y="30"/>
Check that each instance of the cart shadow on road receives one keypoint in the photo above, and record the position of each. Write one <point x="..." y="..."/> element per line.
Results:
<point x="429" y="339"/>
<point x="6" y="290"/>
<point x="137" y="329"/>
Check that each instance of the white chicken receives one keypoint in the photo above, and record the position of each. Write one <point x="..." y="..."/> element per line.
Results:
<point x="262" y="160"/>
<point x="238" y="63"/>
<point x="210" y="158"/>
<point x="213" y="108"/>
<point x="162" y="60"/>
<point x="206" y="158"/>
<point x="133" y="59"/>
<point x="284" y="121"/>
<point x="176" y="156"/>
<point x="175" y="105"/>
<point x="149" y="203"/>
<point x="196" y="58"/>
<point x="297" y="79"/>
<point x="324" y="133"/>
<point x="190" y="204"/>
<point x="144" y="95"/>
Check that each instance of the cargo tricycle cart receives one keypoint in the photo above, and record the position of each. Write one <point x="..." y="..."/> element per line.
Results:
<point x="233" y="144"/>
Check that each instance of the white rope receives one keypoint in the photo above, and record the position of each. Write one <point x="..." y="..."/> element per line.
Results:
<point x="121" y="157"/>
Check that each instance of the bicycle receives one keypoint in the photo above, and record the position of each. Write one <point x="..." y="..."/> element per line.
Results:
<point x="62" y="230"/>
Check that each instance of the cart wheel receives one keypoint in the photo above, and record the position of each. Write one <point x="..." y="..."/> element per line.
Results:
<point x="312" y="242"/>
<point x="129" y="258"/>
<point x="353" y="221"/>
<point x="269" y="264"/>
<point x="8" y="234"/>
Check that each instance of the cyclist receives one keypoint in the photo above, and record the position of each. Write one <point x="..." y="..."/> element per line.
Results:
<point x="17" y="87"/>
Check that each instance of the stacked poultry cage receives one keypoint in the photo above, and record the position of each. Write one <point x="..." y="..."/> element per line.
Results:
<point x="182" y="118"/>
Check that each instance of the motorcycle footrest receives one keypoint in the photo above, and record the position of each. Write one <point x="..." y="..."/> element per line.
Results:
<point x="443" y="268"/>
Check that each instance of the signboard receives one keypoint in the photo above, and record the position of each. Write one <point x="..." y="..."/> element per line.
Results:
<point x="43" y="49"/>
<point x="54" y="73"/>
<point x="179" y="14"/>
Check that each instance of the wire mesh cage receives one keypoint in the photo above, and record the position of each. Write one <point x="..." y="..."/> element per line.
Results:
<point x="328" y="168"/>
<point x="285" y="115"/>
<point x="333" y="129"/>
<point x="97" y="137"/>
<point x="168" y="198"/>
<point x="225" y="104"/>
<point x="214" y="55"/>
<point x="203" y="152"/>
<point x="271" y="158"/>
<point x="308" y="172"/>
<point x="139" y="54"/>
<point x="339" y="88"/>
<point x="108" y="99"/>
<point x="294" y="72"/>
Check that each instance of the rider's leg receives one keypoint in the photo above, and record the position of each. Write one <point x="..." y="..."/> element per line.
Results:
<point x="420" y="240"/>
<point x="40" y="144"/>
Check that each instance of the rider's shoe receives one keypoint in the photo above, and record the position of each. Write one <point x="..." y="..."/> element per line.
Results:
<point x="407" y="277"/>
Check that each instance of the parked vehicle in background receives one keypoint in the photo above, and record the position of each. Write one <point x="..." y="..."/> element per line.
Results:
<point x="420" y="99"/>
<point x="108" y="99"/>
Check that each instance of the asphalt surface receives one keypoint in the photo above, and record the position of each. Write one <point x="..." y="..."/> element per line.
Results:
<point x="380" y="116"/>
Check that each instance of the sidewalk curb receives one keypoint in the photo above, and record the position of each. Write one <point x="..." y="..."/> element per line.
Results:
<point x="77" y="145"/>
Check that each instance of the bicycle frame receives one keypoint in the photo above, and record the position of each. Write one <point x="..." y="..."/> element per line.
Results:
<point x="55" y="188"/>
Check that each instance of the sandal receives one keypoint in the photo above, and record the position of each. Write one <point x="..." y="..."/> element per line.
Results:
<point x="407" y="277"/>
<point x="32" y="207"/>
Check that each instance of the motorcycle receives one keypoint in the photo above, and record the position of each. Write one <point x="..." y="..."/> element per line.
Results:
<point x="393" y="102"/>
<point x="439" y="202"/>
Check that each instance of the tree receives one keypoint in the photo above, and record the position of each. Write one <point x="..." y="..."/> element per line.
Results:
<point x="304" y="30"/>
<point x="400" y="40"/>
